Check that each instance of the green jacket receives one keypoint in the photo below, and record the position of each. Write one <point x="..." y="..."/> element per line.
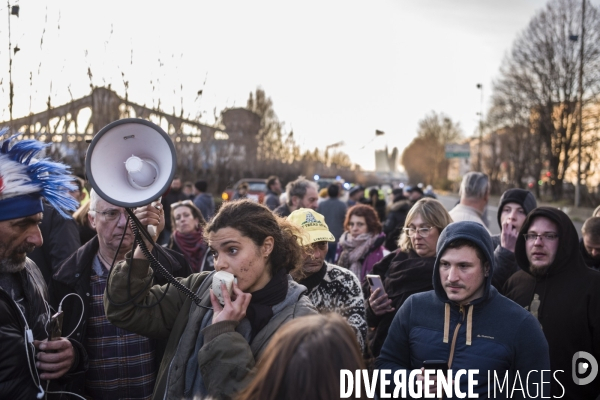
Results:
<point x="225" y="360"/>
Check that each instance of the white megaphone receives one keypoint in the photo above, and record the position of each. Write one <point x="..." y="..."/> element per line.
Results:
<point x="131" y="162"/>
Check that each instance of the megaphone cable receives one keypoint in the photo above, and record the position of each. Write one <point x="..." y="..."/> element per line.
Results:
<point x="131" y="299"/>
<point x="155" y="263"/>
<point x="158" y="267"/>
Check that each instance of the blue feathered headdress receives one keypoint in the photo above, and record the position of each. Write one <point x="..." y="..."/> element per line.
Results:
<point x="25" y="180"/>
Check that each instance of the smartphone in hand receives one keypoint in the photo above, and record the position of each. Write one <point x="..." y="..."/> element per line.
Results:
<point x="55" y="326"/>
<point x="436" y="365"/>
<point x="374" y="283"/>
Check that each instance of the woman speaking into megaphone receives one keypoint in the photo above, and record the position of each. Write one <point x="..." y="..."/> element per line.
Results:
<point x="212" y="346"/>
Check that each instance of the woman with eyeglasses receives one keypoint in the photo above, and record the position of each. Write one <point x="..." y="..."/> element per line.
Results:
<point x="408" y="270"/>
<point x="361" y="245"/>
<point x="188" y="236"/>
<point x="212" y="347"/>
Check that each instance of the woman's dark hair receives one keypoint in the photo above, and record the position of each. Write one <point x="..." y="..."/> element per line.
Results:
<point x="196" y="213"/>
<point x="257" y="222"/>
<point x="368" y="213"/>
<point x="201" y="186"/>
<point x="304" y="359"/>
<point x="333" y="191"/>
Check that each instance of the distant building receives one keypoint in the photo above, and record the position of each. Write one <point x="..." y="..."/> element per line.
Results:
<point x="385" y="162"/>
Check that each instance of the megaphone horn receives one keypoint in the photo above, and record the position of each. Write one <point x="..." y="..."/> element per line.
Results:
<point x="131" y="162"/>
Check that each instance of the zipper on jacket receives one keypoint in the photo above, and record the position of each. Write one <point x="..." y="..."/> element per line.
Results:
<point x="453" y="345"/>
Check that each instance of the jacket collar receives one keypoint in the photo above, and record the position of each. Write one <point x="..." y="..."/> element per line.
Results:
<point x="70" y="270"/>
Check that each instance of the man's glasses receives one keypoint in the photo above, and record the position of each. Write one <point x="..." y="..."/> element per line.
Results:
<point x="412" y="232"/>
<point x="545" y="237"/>
<point x="111" y="214"/>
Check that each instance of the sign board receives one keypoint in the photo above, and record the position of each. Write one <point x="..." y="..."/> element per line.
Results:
<point x="454" y="150"/>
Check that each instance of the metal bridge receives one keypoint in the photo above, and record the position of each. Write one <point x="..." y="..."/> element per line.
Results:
<point x="199" y="147"/>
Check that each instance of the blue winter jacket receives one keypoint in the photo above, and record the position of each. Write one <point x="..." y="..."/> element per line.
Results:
<point x="492" y="334"/>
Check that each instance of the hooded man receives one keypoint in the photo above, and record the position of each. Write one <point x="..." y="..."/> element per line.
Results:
<point x="556" y="286"/>
<point x="513" y="208"/>
<point x="466" y="322"/>
<point x="28" y="357"/>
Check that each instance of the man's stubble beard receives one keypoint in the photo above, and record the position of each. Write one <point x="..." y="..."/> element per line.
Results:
<point x="9" y="267"/>
<point x="16" y="261"/>
<point x="538" y="271"/>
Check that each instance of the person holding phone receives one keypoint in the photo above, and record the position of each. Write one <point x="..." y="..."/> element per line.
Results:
<point x="408" y="270"/>
<point x="466" y="322"/>
<point x="29" y="359"/>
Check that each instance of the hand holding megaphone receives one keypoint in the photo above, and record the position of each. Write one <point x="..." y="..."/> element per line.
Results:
<point x="234" y="306"/>
<point x="152" y="216"/>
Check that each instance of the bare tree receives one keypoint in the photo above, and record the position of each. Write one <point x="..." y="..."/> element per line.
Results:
<point x="424" y="159"/>
<point x="538" y="85"/>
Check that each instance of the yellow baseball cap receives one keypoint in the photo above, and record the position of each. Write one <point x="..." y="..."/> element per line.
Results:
<point x="313" y="225"/>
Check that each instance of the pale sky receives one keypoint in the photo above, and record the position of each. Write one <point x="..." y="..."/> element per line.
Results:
<point x="335" y="70"/>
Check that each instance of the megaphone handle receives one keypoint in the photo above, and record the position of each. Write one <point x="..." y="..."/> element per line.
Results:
<point x="158" y="266"/>
<point x="151" y="228"/>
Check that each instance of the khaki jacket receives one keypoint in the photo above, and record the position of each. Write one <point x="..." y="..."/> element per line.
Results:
<point x="224" y="360"/>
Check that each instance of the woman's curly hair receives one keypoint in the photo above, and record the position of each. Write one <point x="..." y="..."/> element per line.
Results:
<point x="368" y="213"/>
<point x="257" y="222"/>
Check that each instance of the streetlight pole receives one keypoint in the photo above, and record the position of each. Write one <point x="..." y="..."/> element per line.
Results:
<point x="480" y="146"/>
<point x="580" y="119"/>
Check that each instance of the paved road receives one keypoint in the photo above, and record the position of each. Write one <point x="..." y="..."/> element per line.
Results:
<point x="492" y="211"/>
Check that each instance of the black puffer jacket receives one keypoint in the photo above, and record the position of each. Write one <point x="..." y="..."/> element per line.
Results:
<point x="392" y="227"/>
<point x="407" y="274"/>
<point x="569" y="302"/>
<point x="16" y="381"/>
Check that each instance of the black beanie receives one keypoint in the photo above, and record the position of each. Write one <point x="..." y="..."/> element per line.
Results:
<point x="522" y="197"/>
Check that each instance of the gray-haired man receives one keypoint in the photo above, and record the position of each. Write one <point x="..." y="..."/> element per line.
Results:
<point x="300" y="193"/>
<point x="474" y="194"/>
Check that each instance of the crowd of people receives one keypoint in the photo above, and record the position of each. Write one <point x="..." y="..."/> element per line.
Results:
<point x="321" y="286"/>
